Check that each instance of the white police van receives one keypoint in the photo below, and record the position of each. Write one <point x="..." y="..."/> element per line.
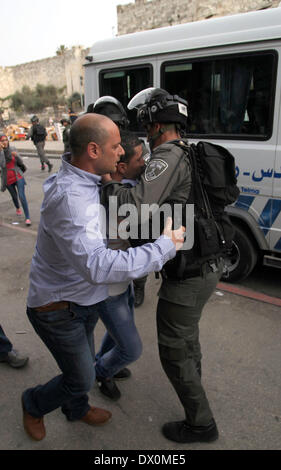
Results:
<point x="229" y="71"/>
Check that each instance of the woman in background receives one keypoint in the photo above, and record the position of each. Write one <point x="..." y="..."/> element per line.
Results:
<point x="12" y="169"/>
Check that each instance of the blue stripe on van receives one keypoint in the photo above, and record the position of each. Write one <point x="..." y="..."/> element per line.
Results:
<point x="278" y="245"/>
<point x="269" y="214"/>
<point x="244" y="202"/>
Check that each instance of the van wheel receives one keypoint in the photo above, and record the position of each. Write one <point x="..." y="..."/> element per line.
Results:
<point x="242" y="258"/>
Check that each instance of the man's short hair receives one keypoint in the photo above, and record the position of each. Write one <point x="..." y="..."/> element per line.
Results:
<point x="81" y="134"/>
<point x="129" y="141"/>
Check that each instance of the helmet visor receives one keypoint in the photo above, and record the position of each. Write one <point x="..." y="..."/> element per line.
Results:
<point x="141" y="98"/>
<point x="107" y="99"/>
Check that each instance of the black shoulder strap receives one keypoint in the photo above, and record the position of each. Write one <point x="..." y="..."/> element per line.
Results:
<point x="181" y="144"/>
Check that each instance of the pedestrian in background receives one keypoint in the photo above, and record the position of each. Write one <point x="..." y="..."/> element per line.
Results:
<point x="72" y="115"/>
<point x="38" y="135"/>
<point x="12" y="169"/>
<point x="65" y="134"/>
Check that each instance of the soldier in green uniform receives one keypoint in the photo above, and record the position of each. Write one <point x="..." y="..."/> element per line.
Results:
<point x="168" y="179"/>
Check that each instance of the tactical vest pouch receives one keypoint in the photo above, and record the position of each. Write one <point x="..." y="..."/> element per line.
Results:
<point x="40" y="131"/>
<point x="208" y="236"/>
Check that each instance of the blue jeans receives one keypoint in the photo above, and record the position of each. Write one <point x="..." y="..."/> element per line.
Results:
<point x="121" y="344"/>
<point x="17" y="190"/>
<point x="68" y="334"/>
<point x="5" y="344"/>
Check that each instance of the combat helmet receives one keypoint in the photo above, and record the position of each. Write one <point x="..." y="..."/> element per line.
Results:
<point x="112" y="108"/>
<point x="157" y="105"/>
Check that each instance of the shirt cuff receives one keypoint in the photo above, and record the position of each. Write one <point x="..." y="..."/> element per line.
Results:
<point x="167" y="247"/>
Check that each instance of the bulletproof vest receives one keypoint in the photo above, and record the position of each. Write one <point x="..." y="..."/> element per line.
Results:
<point x="39" y="133"/>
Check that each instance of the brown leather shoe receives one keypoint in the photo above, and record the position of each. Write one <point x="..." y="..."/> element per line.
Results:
<point x="34" y="427"/>
<point x="96" y="416"/>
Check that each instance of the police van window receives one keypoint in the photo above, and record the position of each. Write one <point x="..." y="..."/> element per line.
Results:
<point x="123" y="84"/>
<point x="230" y="95"/>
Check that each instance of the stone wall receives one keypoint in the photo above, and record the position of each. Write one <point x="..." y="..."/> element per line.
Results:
<point x="63" y="70"/>
<point x="149" y="14"/>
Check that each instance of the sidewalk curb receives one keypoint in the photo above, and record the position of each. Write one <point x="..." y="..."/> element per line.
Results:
<point x="34" y="154"/>
<point x="249" y="293"/>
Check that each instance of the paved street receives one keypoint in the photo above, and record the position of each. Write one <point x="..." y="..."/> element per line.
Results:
<point x="241" y="360"/>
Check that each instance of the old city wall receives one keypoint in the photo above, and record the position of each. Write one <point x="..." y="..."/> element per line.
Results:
<point x="150" y="14"/>
<point x="61" y="70"/>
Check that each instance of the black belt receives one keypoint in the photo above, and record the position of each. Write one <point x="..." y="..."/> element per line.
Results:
<point x="209" y="266"/>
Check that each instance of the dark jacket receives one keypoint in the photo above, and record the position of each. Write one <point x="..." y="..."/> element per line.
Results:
<point x="38" y="133"/>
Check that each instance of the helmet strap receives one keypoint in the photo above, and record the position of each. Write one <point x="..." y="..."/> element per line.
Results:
<point x="152" y="139"/>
